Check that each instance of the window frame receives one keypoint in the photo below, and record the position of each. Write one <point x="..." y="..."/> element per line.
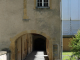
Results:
<point x="42" y="4"/>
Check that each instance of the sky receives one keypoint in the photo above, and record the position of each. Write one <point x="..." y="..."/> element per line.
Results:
<point x="71" y="9"/>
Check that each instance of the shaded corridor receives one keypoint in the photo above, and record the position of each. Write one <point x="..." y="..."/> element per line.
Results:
<point x="39" y="44"/>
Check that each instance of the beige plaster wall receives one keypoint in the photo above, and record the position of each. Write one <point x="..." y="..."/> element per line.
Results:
<point x="44" y="20"/>
<point x="66" y="42"/>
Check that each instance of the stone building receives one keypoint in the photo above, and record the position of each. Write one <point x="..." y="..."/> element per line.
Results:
<point x="26" y="25"/>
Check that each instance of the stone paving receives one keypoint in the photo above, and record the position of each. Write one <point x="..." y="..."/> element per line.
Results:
<point x="37" y="55"/>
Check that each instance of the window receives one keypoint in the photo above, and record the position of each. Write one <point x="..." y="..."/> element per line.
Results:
<point x="42" y="3"/>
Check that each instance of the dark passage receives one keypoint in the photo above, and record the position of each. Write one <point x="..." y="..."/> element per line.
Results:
<point x="39" y="48"/>
<point x="40" y="44"/>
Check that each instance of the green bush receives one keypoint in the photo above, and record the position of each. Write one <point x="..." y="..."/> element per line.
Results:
<point x="75" y="45"/>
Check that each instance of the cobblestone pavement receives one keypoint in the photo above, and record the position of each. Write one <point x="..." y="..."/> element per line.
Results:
<point x="37" y="55"/>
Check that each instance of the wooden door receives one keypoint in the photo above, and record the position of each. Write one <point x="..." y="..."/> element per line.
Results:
<point x="18" y="43"/>
<point x="24" y="47"/>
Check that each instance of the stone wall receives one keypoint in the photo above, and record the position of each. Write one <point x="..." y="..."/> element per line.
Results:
<point x="45" y="20"/>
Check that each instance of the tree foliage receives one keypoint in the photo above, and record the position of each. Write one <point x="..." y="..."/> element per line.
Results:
<point x="75" y="45"/>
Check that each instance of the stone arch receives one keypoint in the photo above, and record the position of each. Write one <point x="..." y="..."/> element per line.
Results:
<point x="13" y="40"/>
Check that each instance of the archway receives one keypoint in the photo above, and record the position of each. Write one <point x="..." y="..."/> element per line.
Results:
<point x="30" y="33"/>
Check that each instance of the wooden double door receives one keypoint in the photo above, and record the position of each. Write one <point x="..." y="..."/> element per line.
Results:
<point x="21" y="48"/>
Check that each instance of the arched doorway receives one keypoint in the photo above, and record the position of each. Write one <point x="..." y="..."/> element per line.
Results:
<point x="32" y="40"/>
<point x="28" y="43"/>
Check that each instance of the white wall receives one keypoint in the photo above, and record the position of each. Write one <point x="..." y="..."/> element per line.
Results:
<point x="3" y="57"/>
